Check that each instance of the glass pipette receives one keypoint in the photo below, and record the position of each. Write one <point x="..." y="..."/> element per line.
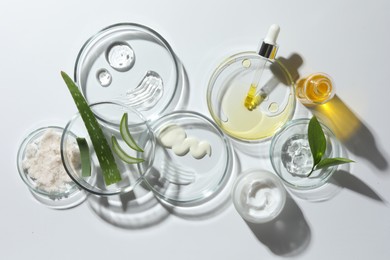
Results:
<point x="267" y="51"/>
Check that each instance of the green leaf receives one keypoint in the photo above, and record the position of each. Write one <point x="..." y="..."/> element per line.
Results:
<point x="317" y="140"/>
<point x="84" y="157"/>
<point x="122" y="154"/>
<point x="327" y="162"/>
<point x="125" y="133"/>
<point x="103" y="151"/>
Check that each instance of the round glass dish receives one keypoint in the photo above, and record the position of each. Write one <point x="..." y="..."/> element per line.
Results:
<point x="109" y="115"/>
<point x="130" y="64"/>
<point x="258" y="196"/>
<point x="58" y="191"/>
<point x="182" y="174"/>
<point x="228" y="88"/>
<point x="291" y="156"/>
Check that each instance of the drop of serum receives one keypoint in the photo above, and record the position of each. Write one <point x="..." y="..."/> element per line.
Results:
<point x="120" y="56"/>
<point x="104" y="77"/>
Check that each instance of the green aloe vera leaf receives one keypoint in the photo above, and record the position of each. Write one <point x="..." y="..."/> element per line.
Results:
<point x="103" y="151"/>
<point x="125" y="133"/>
<point x="317" y="140"/>
<point x="122" y="154"/>
<point x="84" y="157"/>
<point x="327" y="162"/>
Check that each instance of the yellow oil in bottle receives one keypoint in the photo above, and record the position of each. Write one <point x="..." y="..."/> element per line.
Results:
<point x="315" y="89"/>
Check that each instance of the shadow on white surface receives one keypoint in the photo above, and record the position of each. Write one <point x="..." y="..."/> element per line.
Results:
<point x="137" y="209"/>
<point x="351" y="131"/>
<point x="363" y="144"/>
<point x="287" y="235"/>
<point x="346" y="180"/>
<point x="213" y="206"/>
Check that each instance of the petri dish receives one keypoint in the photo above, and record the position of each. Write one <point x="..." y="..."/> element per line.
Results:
<point x="51" y="188"/>
<point x="291" y="157"/>
<point x="258" y="195"/>
<point x="189" y="178"/>
<point x="228" y="87"/>
<point x="130" y="64"/>
<point x="109" y="115"/>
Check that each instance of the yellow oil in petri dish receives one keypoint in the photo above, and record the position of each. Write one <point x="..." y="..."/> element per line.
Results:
<point x="230" y="92"/>
<point x="257" y="124"/>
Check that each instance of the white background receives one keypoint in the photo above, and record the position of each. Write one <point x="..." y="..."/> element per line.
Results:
<point x="347" y="39"/>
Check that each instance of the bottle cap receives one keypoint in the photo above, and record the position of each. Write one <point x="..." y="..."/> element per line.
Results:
<point x="269" y="47"/>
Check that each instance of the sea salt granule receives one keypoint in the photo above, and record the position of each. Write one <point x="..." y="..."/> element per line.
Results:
<point x="43" y="162"/>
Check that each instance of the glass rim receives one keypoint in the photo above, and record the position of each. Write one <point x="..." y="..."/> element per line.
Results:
<point x="22" y="147"/>
<point x="205" y="196"/>
<point x="95" y="38"/>
<point x="219" y="69"/>
<point x="302" y="121"/>
<point x="117" y="191"/>
<point x="260" y="173"/>
<point x="330" y="96"/>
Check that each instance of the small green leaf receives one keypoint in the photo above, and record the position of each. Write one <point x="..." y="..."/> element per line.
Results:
<point x="84" y="157"/>
<point x="122" y="154"/>
<point x="317" y="140"/>
<point x="327" y="162"/>
<point x="125" y="133"/>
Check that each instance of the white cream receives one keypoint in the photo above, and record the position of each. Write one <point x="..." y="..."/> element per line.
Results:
<point x="258" y="196"/>
<point x="175" y="137"/>
<point x="261" y="197"/>
<point x="172" y="135"/>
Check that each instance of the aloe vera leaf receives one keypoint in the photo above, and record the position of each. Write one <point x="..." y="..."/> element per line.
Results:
<point x="103" y="151"/>
<point x="122" y="154"/>
<point x="84" y="157"/>
<point x="125" y="133"/>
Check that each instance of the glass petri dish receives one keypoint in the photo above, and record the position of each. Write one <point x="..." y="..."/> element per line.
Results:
<point x="290" y="146"/>
<point x="109" y="115"/>
<point x="228" y="88"/>
<point x="57" y="191"/>
<point x="258" y="196"/>
<point x="130" y="64"/>
<point x="186" y="178"/>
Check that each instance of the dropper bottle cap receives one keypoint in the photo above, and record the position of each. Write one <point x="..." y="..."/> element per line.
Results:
<point x="269" y="47"/>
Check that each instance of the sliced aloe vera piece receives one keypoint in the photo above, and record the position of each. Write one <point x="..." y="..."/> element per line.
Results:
<point x="103" y="151"/>
<point x="122" y="154"/>
<point x="84" y="156"/>
<point x="125" y="133"/>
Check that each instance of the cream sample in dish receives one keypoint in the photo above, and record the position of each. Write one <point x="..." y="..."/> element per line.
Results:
<point x="175" y="138"/>
<point x="258" y="196"/>
<point x="43" y="162"/>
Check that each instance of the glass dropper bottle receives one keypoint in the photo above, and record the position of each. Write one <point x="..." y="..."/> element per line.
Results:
<point x="267" y="52"/>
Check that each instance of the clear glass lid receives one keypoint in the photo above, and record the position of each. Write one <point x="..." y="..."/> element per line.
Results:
<point x="129" y="64"/>
<point x="193" y="159"/>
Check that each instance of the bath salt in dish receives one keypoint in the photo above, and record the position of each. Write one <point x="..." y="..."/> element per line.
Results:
<point x="43" y="164"/>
